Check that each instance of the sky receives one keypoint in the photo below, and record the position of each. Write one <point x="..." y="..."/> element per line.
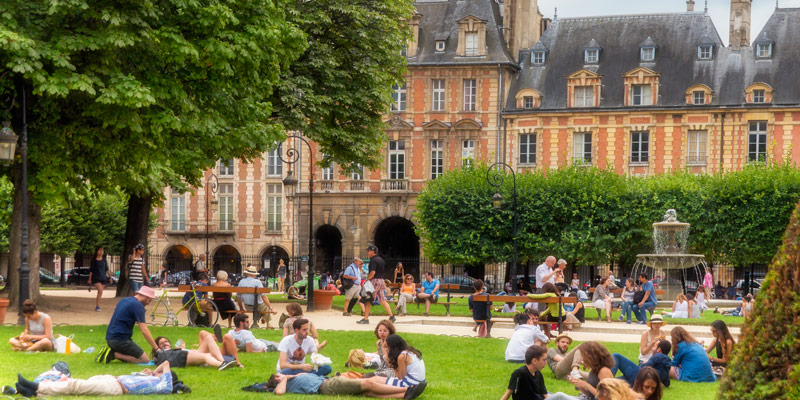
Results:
<point x="718" y="9"/>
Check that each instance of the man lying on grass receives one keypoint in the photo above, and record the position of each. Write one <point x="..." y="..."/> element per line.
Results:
<point x="145" y="382"/>
<point x="306" y="383"/>
<point x="207" y="353"/>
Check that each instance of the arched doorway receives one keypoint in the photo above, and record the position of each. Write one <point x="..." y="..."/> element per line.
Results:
<point x="177" y="258"/>
<point x="270" y="259"/>
<point x="328" y="250"/>
<point x="228" y="259"/>
<point x="397" y="242"/>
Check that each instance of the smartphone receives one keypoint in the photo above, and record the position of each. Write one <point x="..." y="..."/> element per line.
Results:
<point x="179" y="343"/>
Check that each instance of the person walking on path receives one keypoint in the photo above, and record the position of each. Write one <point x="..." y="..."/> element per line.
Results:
<point x="376" y="276"/>
<point x="708" y="283"/>
<point x="281" y="275"/>
<point x="351" y="285"/>
<point x="120" y="345"/>
<point x="200" y="266"/>
<point x="137" y="274"/>
<point x="98" y="274"/>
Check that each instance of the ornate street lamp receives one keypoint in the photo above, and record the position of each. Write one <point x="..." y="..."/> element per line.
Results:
<point x="211" y="185"/>
<point x="290" y="183"/>
<point x="7" y="146"/>
<point x="496" y="176"/>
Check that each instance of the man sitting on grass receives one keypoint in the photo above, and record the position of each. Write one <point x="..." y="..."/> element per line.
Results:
<point x="527" y="382"/>
<point x="526" y="334"/>
<point x="207" y="353"/>
<point x="659" y="361"/>
<point x="243" y="338"/>
<point x="145" y="382"/>
<point x="306" y="383"/>
<point x="294" y="348"/>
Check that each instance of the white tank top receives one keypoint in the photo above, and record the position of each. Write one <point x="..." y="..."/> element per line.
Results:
<point x="37" y="327"/>
<point x="415" y="370"/>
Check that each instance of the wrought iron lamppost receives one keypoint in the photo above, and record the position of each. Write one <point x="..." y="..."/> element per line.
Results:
<point x="211" y="184"/>
<point x="496" y="176"/>
<point x="290" y="183"/>
<point x="8" y="141"/>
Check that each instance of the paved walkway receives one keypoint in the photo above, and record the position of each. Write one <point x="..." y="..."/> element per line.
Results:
<point x="76" y="306"/>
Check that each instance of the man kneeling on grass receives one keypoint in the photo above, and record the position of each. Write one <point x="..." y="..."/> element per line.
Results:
<point x="306" y="383"/>
<point x="207" y="352"/>
<point x="527" y="381"/>
<point x="145" y="382"/>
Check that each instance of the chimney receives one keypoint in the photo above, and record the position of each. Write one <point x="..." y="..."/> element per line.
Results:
<point x="522" y="23"/>
<point x="740" y="23"/>
<point x="689" y="5"/>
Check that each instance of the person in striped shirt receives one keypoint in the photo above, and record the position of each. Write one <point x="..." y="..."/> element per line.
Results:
<point x="137" y="274"/>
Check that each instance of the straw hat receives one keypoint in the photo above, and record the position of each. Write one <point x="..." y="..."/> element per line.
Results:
<point x="563" y="335"/>
<point x="147" y="292"/>
<point x="251" y="270"/>
<point x="655" y="318"/>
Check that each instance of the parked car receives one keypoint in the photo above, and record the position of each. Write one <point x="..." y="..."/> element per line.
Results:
<point x="465" y="283"/>
<point x="755" y="286"/>
<point x="78" y="276"/>
<point x="47" y="277"/>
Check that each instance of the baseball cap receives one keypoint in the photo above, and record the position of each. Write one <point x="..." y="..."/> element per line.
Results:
<point x="139" y="246"/>
<point x="372" y="248"/>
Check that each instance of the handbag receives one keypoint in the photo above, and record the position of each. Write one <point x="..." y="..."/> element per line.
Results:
<point x="638" y="297"/>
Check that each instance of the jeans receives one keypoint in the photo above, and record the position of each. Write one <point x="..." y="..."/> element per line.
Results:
<point x="628" y="368"/>
<point x="322" y="370"/>
<point x="627" y="308"/>
<point x="641" y="312"/>
<point x="135" y="286"/>
<point x="402" y="300"/>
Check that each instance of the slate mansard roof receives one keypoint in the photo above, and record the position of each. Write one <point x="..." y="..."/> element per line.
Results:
<point x="676" y="36"/>
<point x="440" y="22"/>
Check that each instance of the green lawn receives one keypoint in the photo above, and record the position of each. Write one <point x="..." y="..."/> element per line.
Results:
<point x="457" y="367"/>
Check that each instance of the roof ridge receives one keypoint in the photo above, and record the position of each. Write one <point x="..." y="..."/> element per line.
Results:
<point x="621" y="16"/>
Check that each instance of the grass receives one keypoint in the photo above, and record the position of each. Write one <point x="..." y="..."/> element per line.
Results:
<point x="457" y="367"/>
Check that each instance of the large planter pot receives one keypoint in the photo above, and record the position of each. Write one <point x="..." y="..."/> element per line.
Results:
<point x="3" y="306"/>
<point x="323" y="299"/>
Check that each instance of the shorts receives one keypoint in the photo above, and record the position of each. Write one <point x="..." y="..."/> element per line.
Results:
<point x="176" y="358"/>
<point x="405" y="382"/>
<point x="352" y="292"/>
<point x="339" y="385"/>
<point x="94" y="282"/>
<point x="380" y="289"/>
<point x="127" y="347"/>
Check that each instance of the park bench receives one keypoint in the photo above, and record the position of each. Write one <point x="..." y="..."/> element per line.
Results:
<point x="560" y="300"/>
<point x="238" y="290"/>
<point x="617" y="292"/>
<point x="443" y="286"/>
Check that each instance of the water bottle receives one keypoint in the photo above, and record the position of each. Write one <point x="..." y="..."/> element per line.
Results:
<point x="89" y="350"/>
<point x="68" y="349"/>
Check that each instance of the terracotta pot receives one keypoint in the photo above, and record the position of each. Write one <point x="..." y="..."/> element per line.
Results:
<point x="323" y="299"/>
<point x="3" y="306"/>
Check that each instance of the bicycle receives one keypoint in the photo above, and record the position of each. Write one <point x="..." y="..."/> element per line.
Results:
<point x="198" y="311"/>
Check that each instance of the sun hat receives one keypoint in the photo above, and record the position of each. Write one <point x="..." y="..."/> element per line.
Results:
<point x="251" y="270"/>
<point x="655" y="318"/>
<point x="563" y="335"/>
<point x="147" y="292"/>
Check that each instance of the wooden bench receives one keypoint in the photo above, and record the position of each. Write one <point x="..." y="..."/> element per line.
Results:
<point x="560" y="300"/>
<point x="446" y="286"/>
<point x="618" y="292"/>
<point x="255" y="291"/>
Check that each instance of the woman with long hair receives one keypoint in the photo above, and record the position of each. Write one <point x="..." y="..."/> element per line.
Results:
<point x="38" y="333"/>
<point x="627" y="300"/>
<point x="406" y="294"/>
<point x="98" y="274"/>
<point x="680" y="308"/>
<point x="722" y="342"/>
<point x="648" y="384"/>
<point x="615" y="389"/>
<point x="650" y="338"/>
<point x="689" y="361"/>
<point x="405" y="360"/>
<point x="598" y="360"/>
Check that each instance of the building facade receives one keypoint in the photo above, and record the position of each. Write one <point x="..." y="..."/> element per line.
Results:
<point x="494" y="81"/>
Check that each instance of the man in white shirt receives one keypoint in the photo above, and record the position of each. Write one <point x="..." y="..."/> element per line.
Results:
<point x="293" y="350"/>
<point x="244" y="338"/>
<point x="545" y="273"/>
<point x="526" y="334"/>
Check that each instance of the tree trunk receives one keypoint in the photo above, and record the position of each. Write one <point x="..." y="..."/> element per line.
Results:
<point x="15" y="241"/>
<point x="135" y="233"/>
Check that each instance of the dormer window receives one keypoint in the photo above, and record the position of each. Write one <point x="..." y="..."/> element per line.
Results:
<point x="471" y="44"/>
<point x="641" y="95"/>
<point x="527" y="102"/>
<point x="440" y="46"/>
<point x="764" y="50"/>
<point x="537" y="58"/>
<point x="648" y="54"/>
<point x="591" y="56"/>
<point x="698" y="97"/>
<point x="699" y="94"/>
<point x="759" y="96"/>
<point x="705" y="52"/>
<point x="759" y="93"/>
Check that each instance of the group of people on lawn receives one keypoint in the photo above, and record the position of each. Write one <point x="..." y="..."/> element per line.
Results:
<point x="690" y="362"/>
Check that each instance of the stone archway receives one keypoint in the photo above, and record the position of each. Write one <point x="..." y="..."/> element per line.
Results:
<point x="328" y="249"/>
<point x="270" y="258"/>
<point x="398" y="242"/>
<point x="228" y="259"/>
<point x="176" y="258"/>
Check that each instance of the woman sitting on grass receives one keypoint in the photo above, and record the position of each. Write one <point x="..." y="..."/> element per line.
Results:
<point x="648" y="384"/>
<point x="680" y="308"/>
<point x="598" y="360"/>
<point x="722" y="342"/>
<point x="384" y="329"/>
<point x="38" y="333"/>
<point x="406" y="361"/>
<point x="615" y="389"/>
<point x="296" y="312"/>
<point x="689" y="360"/>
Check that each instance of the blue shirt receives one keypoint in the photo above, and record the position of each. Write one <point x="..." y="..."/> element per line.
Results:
<point x="247" y="299"/>
<point x="694" y="363"/>
<point x="304" y="384"/>
<point x="352" y="270"/>
<point x="147" y="384"/>
<point x="128" y="312"/>
<point x="661" y="363"/>
<point x="428" y="287"/>
<point x="648" y="287"/>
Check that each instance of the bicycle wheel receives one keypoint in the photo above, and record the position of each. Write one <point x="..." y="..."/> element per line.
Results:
<point x="160" y="315"/>
<point x="204" y="317"/>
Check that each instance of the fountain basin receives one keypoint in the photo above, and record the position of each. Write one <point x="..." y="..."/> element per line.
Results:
<point x="670" y="261"/>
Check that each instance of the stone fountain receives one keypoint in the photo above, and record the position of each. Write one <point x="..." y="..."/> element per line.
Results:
<point x="670" y="268"/>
